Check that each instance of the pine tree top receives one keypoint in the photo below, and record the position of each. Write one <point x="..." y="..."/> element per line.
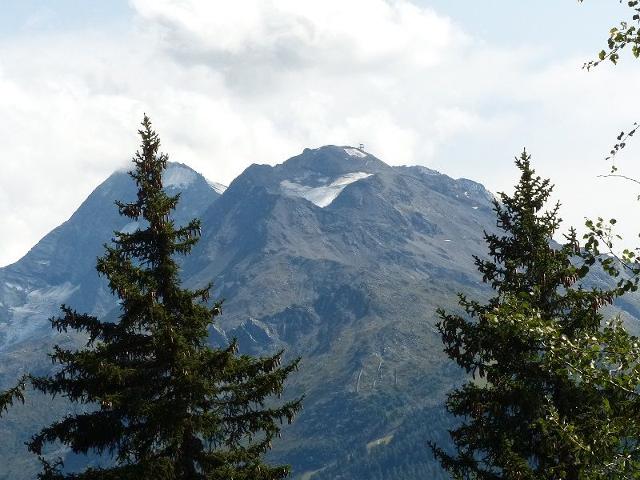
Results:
<point x="528" y="401"/>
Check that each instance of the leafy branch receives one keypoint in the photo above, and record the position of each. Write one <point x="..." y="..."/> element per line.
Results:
<point x="627" y="34"/>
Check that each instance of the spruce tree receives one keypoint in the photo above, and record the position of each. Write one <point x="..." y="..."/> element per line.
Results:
<point x="533" y="409"/>
<point x="160" y="401"/>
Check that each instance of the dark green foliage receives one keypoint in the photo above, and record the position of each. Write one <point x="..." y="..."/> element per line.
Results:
<point x="13" y="395"/>
<point x="533" y="410"/>
<point x="166" y="405"/>
<point x="402" y="458"/>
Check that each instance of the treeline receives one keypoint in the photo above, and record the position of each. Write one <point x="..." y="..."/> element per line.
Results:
<point x="404" y="457"/>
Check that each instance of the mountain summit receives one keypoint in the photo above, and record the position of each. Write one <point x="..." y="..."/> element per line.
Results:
<point x="321" y="175"/>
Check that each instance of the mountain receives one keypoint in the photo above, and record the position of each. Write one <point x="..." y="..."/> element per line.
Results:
<point x="342" y="259"/>
<point x="61" y="267"/>
<point x="334" y="256"/>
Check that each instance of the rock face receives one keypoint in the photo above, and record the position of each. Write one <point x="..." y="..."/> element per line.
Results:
<point x="334" y="256"/>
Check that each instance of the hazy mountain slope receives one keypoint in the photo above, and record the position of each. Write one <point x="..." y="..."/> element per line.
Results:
<point x="61" y="267"/>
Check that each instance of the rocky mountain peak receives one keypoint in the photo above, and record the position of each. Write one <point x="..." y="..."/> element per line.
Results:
<point x="332" y="160"/>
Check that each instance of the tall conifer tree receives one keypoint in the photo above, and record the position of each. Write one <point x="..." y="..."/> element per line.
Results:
<point x="161" y="402"/>
<point x="534" y="413"/>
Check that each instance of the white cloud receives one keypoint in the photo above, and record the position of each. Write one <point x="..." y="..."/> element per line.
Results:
<point x="228" y="84"/>
<point x="280" y="33"/>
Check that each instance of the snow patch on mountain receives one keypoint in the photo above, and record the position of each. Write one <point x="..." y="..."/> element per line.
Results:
<point x="14" y="286"/>
<point x="51" y="295"/>
<point x="178" y="176"/>
<point x="354" y="152"/>
<point x="322" y="195"/>
<point x="217" y="187"/>
<point x="33" y="315"/>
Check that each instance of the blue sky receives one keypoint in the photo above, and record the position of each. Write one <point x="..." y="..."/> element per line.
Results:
<point x="564" y="25"/>
<point x="22" y="17"/>
<point x="458" y="86"/>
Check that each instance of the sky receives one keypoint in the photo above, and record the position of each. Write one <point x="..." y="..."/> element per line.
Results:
<point x="458" y="86"/>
